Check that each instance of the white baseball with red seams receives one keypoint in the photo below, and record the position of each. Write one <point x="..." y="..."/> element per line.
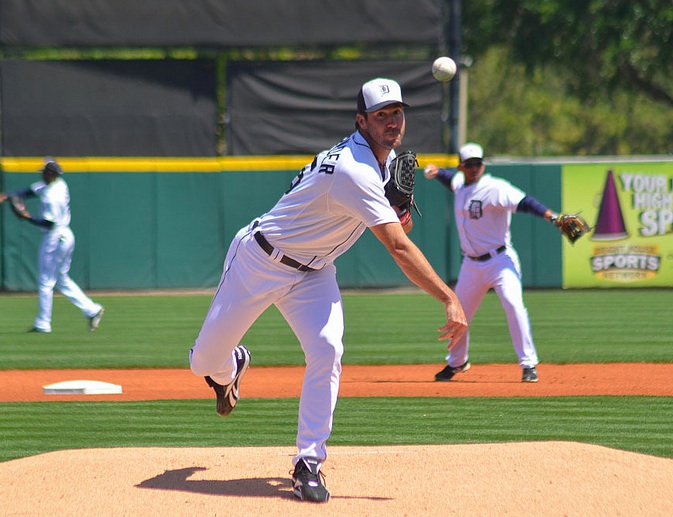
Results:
<point x="444" y="69"/>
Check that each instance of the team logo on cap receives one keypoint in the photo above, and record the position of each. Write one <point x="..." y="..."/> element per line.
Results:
<point x="385" y="89"/>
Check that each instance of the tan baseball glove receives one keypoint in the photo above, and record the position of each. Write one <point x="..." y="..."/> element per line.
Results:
<point x="571" y="225"/>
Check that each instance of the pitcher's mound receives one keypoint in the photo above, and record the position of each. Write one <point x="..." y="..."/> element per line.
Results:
<point x="534" y="478"/>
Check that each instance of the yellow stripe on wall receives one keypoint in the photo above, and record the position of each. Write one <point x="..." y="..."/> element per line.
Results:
<point x="217" y="164"/>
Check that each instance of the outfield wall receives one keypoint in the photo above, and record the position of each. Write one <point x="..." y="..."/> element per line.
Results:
<point x="166" y="223"/>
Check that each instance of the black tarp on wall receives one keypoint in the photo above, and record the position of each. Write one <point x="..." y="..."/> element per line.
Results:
<point x="108" y="108"/>
<point x="217" y="23"/>
<point x="304" y="107"/>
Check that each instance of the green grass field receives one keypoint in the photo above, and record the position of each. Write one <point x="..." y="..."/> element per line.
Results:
<point x="146" y="331"/>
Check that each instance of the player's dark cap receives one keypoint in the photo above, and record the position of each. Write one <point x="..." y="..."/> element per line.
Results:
<point x="379" y="93"/>
<point x="53" y="167"/>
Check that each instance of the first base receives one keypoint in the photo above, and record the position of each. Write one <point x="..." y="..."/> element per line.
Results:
<point x="82" y="388"/>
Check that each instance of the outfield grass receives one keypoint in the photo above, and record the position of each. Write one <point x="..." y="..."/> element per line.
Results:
<point x="157" y="331"/>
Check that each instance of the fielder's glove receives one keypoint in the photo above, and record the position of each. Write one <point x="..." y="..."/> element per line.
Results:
<point x="571" y="225"/>
<point x="400" y="188"/>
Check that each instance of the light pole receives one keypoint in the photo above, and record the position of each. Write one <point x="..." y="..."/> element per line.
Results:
<point x="463" y="73"/>
<point x="453" y="37"/>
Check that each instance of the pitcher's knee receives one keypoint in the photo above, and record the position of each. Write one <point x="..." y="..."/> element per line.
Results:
<point x="327" y="354"/>
<point x="198" y="365"/>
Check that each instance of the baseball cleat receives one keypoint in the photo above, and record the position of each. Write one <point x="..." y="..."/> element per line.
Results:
<point x="529" y="375"/>
<point x="94" y="320"/>
<point x="449" y="371"/>
<point x="39" y="330"/>
<point x="228" y="395"/>
<point x="307" y="482"/>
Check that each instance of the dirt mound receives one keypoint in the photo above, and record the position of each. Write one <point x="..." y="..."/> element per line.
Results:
<point x="535" y="478"/>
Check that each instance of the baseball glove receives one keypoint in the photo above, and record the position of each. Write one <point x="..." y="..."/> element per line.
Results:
<point x="18" y="206"/>
<point x="571" y="225"/>
<point x="400" y="188"/>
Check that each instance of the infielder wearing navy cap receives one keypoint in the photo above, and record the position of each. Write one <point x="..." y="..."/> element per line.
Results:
<point x="379" y="93"/>
<point x="53" y="167"/>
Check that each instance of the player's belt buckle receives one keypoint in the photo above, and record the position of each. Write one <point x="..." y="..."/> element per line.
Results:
<point x="488" y="256"/>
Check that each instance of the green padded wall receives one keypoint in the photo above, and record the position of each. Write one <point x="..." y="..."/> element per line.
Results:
<point x="171" y="229"/>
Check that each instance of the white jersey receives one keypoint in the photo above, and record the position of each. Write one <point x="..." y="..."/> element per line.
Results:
<point x="483" y="212"/>
<point x="54" y="202"/>
<point x="330" y="204"/>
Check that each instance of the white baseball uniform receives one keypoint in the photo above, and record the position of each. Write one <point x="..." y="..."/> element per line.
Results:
<point x="483" y="212"/>
<point x="56" y="252"/>
<point x="326" y="209"/>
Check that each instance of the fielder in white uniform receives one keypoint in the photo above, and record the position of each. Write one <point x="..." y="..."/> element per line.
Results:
<point x="483" y="209"/>
<point x="56" y="249"/>
<point x="286" y="258"/>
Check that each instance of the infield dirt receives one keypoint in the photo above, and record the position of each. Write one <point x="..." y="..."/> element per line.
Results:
<point x="496" y="380"/>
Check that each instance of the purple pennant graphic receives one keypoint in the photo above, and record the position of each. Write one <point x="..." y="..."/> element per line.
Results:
<point x="610" y="224"/>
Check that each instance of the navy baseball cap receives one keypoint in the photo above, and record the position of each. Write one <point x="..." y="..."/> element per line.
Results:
<point x="379" y="93"/>
<point x="53" y="167"/>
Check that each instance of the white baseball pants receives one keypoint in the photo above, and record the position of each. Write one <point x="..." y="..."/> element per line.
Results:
<point x="54" y="265"/>
<point x="311" y="304"/>
<point x="503" y="274"/>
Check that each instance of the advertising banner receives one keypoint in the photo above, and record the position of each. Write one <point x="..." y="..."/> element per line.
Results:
<point x="630" y="209"/>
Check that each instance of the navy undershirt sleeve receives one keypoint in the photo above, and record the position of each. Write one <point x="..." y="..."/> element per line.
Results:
<point x="445" y="176"/>
<point x="532" y="206"/>
<point x="40" y="222"/>
<point x="24" y="192"/>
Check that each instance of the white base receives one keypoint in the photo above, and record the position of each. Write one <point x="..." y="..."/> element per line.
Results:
<point x="82" y="388"/>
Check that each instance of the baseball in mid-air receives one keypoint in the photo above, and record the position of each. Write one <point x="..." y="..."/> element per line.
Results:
<point x="444" y="68"/>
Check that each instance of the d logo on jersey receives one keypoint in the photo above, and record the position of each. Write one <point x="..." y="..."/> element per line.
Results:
<point x="476" y="210"/>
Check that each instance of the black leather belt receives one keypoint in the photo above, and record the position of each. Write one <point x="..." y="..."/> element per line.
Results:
<point x="264" y="244"/>
<point x="486" y="256"/>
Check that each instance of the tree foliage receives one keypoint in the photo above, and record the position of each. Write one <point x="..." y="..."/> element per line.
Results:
<point x="575" y="77"/>
<point x="605" y="44"/>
